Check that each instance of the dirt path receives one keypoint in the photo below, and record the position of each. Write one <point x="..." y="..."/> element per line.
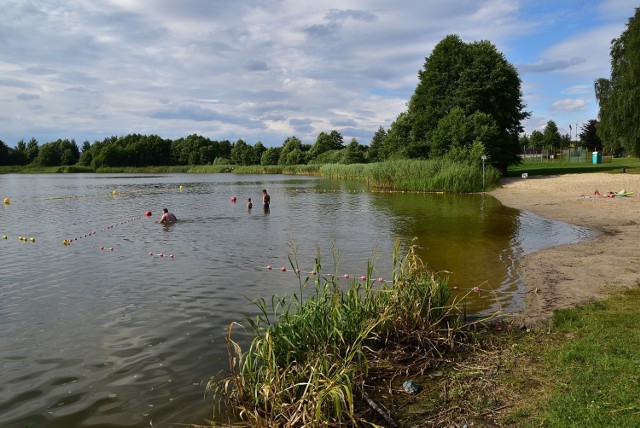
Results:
<point x="564" y="276"/>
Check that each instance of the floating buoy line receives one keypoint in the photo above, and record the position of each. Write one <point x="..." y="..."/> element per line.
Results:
<point x="469" y="290"/>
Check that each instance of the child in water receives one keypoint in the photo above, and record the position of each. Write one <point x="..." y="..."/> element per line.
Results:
<point x="249" y="204"/>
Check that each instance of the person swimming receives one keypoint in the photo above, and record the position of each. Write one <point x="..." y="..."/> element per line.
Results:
<point x="167" y="217"/>
<point x="266" y="199"/>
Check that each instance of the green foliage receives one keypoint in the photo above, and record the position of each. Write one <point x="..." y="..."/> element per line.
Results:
<point x="291" y="153"/>
<point x="433" y="175"/>
<point x="551" y="136"/>
<point x="270" y="156"/>
<point x="618" y="97"/>
<point x="242" y="153"/>
<point x="324" y="143"/>
<point x="60" y="152"/>
<point x="589" y="136"/>
<point x="353" y="153"/>
<point x="311" y="352"/>
<point x="473" y="77"/>
<point x="375" y="153"/>
<point x="536" y="139"/>
<point x="461" y="137"/>
<point x="4" y="153"/>
<point x="330" y="156"/>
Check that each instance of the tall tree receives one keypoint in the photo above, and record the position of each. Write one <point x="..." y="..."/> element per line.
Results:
<point x="619" y="97"/>
<point x="475" y="77"/>
<point x="326" y="142"/>
<point x="536" y="139"/>
<point x="589" y="136"/>
<point x="4" y="153"/>
<point x="32" y="150"/>
<point x="551" y="135"/>
<point x="353" y="153"/>
<point x="291" y="145"/>
<point x="375" y="153"/>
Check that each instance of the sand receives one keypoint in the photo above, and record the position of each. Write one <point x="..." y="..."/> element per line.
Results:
<point x="565" y="276"/>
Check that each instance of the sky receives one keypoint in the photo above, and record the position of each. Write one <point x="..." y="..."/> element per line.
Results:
<point x="266" y="70"/>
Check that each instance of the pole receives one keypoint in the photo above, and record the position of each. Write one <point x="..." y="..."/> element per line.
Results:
<point x="484" y="157"/>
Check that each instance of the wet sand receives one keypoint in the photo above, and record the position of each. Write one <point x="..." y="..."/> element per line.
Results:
<point x="566" y="276"/>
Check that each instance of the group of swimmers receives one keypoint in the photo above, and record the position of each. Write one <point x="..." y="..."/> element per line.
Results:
<point x="266" y="201"/>
<point x="168" y="217"/>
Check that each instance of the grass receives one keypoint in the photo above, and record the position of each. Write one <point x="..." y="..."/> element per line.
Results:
<point x="553" y="167"/>
<point x="435" y="175"/>
<point x="313" y="354"/>
<point x="581" y="371"/>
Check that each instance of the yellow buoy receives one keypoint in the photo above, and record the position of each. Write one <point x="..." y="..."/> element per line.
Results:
<point x="114" y="193"/>
<point x="32" y="239"/>
<point x="181" y="187"/>
<point x="4" y="236"/>
<point x="7" y="201"/>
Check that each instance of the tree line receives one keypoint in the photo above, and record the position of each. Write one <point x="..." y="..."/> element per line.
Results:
<point x="551" y="139"/>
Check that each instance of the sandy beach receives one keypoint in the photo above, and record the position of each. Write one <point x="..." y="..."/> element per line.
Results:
<point x="565" y="276"/>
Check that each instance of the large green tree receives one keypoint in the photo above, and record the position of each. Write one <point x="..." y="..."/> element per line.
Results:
<point x="474" y="77"/>
<point x="619" y="96"/>
<point x="551" y="135"/>
<point x="375" y="153"/>
<point x="326" y="142"/>
<point x="589" y="136"/>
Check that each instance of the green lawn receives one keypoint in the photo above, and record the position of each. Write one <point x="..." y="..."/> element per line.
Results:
<point x="582" y="370"/>
<point x="552" y="167"/>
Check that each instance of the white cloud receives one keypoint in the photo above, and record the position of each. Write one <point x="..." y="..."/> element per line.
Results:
<point x="265" y="70"/>
<point x="569" y="104"/>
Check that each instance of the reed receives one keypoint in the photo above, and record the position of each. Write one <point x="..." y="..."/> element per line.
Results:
<point x="277" y="169"/>
<point x="311" y="352"/>
<point x="434" y="175"/>
<point x="143" y="169"/>
<point x="74" y="169"/>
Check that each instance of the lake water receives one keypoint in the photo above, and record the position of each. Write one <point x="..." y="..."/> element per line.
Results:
<point x="123" y="327"/>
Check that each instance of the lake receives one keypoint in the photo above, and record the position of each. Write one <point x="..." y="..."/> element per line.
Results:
<point x="124" y="326"/>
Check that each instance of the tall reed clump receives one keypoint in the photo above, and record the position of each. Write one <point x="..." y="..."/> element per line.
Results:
<point x="432" y="175"/>
<point x="277" y="169"/>
<point x="308" y="361"/>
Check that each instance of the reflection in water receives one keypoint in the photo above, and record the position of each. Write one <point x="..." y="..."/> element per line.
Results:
<point x="106" y="331"/>
<point x="475" y="241"/>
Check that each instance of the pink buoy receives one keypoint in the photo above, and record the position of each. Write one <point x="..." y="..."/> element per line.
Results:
<point x="380" y="279"/>
<point x="269" y="267"/>
<point x="160" y="255"/>
<point x="101" y="247"/>
<point x="151" y="253"/>
<point x="170" y="256"/>
<point x="233" y="199"/>
<point x="283" y="269"/>
<point x="363" y="277"/>
<point x="110" y="248"/>
<point x="345" y="276"/>
<point x="297" y="270"/>
<point x="148" y="213"/>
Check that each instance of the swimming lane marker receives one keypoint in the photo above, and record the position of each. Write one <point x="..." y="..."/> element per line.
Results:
<point x="314" y="273"/>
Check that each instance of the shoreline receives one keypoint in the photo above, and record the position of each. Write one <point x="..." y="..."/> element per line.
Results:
<point x="570" y="275"/>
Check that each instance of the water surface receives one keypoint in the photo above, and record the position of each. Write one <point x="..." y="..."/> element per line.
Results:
<point x="122" y="327"/>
